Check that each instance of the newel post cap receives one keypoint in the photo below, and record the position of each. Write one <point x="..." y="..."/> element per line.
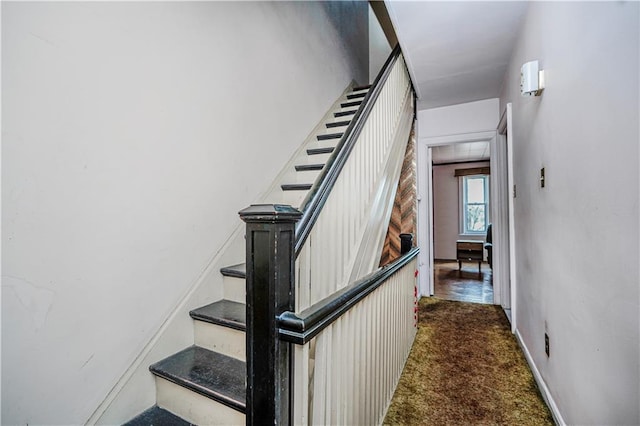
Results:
<point x="270" y="213"/>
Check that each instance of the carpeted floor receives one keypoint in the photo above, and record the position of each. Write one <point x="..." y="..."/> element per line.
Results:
<point x="466" y="368"/>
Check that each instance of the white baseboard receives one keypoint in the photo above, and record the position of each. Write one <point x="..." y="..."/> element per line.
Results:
<point x="546" y="393"/>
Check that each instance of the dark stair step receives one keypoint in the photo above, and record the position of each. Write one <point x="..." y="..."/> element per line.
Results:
<point x="305" y="167"/>
<point x="208" y="373"/>
<point x="156" y="416"/>
<point x="223" y="312"/>
<point x="329" y="136"/>
<point x="350" y="104"/>
<point x="343" y="113"/>
<point x="338" y="124"/>
<point x="313" y="151"/>
<point x="357" y="95"/>
<point x="296" y="186"/>
<point x="237" y="271"/>
<point x="356" y="89"/>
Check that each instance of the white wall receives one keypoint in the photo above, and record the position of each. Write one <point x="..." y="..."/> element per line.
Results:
<point x="577" y="239"/>
<point x="446" y="210"/>
<point x="457" y="119"/>
<point x="132" y="135"/>
<point x="379" y="49"/>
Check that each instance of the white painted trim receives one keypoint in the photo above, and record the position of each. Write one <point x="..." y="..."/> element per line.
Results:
<point x="506" y="127"/>
<point x="425" y="221"/>
<point x="425" y="212"/>
<point x="459" y="138"/>
<point x="430" y="221"/>
<point x="544" y="389"/>
<point x="498" y="217"/>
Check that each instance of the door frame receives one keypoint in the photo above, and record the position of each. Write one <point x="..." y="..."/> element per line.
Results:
<point x="505" y="131"/>
<point x="425" y="208"/>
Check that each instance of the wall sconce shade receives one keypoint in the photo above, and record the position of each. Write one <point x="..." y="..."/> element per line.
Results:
<point x="531" y="79"/>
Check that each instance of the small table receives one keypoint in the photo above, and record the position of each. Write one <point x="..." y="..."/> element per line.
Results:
<point x="470" y="250"/>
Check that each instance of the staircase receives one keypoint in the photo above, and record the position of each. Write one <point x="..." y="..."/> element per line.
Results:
<point x="204" y="384"/>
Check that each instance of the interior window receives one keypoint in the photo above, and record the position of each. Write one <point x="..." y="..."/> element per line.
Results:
<point x="475" y="204"/>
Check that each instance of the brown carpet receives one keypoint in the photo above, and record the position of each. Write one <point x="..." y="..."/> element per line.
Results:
<point x="466" y="368"/>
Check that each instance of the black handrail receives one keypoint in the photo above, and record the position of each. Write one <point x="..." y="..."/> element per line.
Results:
<point x="318" y="194"/>
<point x="299" y="329"/>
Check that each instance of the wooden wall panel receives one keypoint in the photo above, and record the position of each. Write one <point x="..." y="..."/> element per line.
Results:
<point x="404" y="215"/>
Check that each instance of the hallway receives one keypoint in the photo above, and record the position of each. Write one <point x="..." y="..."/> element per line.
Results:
<point x="466" y="368"/>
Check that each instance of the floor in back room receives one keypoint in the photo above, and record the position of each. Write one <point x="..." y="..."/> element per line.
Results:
<point x="466" y="285"/>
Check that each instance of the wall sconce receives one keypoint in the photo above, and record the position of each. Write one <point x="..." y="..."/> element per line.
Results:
<point x="531" y="79"/>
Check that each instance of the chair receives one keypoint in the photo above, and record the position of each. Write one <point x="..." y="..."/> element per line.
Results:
<point x="488" y="246"/>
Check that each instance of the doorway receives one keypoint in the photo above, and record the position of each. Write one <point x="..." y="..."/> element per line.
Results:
<point x="461" y="221"/>
<point x="499" y="208"/>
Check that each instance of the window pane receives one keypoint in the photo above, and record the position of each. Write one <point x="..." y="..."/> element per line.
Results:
<point x="475" y="190"/>
<point x="476" y="218"/>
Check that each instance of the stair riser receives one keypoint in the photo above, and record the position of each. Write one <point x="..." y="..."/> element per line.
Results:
<point x="194" y="407"/>
<point x="359" y="96"/>
<point x="293" y="198"/>
<point x="235" y="289"/>
<point x="303" y="176"/>
<point x="334" y="119"/>
<point x="224" y="340"/>
<point x="315" y="159"/>
<point x="347" y="109"/>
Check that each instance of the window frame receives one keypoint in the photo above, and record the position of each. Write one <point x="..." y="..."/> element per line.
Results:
<point x="463" y="204"/>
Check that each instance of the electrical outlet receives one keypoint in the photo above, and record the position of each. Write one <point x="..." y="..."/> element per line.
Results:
<point x="546" y="344"/>
<point x="542" y="177"/>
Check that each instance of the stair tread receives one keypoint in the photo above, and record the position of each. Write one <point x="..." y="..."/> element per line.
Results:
<point x="338" y="124"/>
<point x="356" y="95"/>
<point x="329" y="136"/>
<point x="223" y="312"/>
<point x="208" y="373"/>
<point x="344" y="113"/>
<point x="156" y="416"/>
<point x="296" y="186"/>
<point x="313" y="151"/>
<point x="305" y="167"/>
<point x="238" y="271"/>
<point x="351" y="103"/>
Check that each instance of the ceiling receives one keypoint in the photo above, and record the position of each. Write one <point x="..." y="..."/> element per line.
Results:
<point x="460" y="152"/>
<point x="456" y="51"/>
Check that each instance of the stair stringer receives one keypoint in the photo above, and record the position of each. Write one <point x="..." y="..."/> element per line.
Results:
<point x="135" y="390"/>
<point x="273" y="194"/>
<point x="372" y="242"/>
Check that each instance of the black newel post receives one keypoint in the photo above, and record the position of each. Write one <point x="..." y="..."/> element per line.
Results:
<point x="270" y="291"/>
<point x="406" y="243"/>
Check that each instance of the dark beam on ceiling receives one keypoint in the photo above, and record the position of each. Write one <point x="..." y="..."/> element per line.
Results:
<point x="382" y="14"/>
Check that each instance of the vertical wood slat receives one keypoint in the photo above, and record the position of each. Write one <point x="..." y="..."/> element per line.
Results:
<point x="342" y="221"/>
<point x="349" y="369"/>
<point x="359" y="357"/>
